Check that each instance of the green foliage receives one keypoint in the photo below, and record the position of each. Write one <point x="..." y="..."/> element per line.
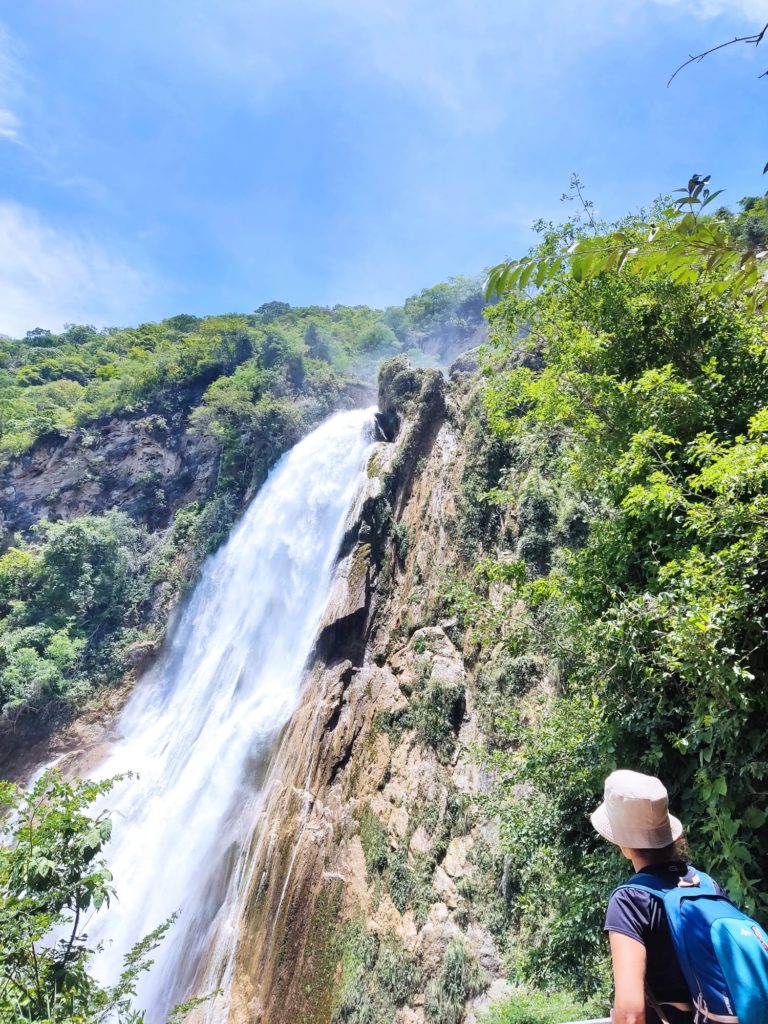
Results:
<point x="400" y="539"/>
<point x="500" y="685"/>
<point x="487" y="456"/>
<point x="639" y="404"/>
<point x="52" y="876"/>
<point x="460" y="979"/>
<point x="373" y="836"/>
<point x="71" y="605"/>
<point x="453" y="309"/>
<point x="52" y="382"/>
<point x="680" y="244"/>
<point x="248" y="387"/>
<point x="434" y="713"/>
<point x="524" y="1007"/>
<point x="750" y="225"/>
<point x="401" y="882"/>
<point x="376" y="977"/>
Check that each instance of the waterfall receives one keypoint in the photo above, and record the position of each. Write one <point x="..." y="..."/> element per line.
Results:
<point x="202" y="723"/>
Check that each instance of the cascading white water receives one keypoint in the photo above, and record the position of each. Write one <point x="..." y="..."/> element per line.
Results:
<point x="202" y="723"/>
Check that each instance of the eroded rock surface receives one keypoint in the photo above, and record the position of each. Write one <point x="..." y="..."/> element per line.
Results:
<point x="371" y="850"/>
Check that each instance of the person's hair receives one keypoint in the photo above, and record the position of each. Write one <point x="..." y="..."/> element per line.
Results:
<point x="675" y="853"/>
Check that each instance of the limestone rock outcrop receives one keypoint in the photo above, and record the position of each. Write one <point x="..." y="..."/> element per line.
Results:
<point x="368" y="834"/>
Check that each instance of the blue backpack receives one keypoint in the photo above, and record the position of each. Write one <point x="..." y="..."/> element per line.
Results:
<point x="722" y="952"/>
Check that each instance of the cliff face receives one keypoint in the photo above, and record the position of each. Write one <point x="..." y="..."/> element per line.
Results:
<point x="148" y="464"/>
<point x="369" y="860"/>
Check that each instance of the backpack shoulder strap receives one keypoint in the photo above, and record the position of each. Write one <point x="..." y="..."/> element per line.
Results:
<point x="700" y="885"/>
<point x="645" y="881"/>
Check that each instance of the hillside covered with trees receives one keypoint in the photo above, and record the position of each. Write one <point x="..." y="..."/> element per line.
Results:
<point x="80" y="592"/>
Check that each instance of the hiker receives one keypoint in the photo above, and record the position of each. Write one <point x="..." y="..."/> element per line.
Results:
<point x="682" y="952"/>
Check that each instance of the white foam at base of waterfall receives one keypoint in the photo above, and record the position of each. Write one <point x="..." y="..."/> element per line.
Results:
<point x="202" y="723"/>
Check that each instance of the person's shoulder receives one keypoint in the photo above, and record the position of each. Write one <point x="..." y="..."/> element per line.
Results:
<point x="629" y="911"/>
<point x="630" y="892"/>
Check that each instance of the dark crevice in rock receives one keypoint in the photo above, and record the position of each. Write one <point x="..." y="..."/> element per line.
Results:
<point x="343" y="760"/>
<point x="343" y="639"/>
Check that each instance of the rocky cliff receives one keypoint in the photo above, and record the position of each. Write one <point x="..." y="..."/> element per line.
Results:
<point x="370" y="859"/>
<point x="150" y="464"/>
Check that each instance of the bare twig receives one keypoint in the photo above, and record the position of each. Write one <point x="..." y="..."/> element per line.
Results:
<point x="755" y="39"/>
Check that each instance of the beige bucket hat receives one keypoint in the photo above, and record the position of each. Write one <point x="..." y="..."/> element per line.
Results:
<point x="635" y="812"/>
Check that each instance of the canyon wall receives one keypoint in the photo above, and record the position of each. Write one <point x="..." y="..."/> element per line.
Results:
<point x="371" y="861"/>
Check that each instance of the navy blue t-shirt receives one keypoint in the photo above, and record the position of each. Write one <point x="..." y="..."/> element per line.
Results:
<point x="641" y="916"/>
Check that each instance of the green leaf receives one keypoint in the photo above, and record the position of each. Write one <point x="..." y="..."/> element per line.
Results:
<point x="754" y="817"/>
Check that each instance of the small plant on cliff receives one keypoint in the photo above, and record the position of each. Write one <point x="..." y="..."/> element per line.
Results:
<point x="460" y="979"/>
<point x="401" y="540"/>
<point x="376" y="977"/>
<point x="435" y="714"/>
<point x="373" y="837"/>
<point x="52" y="876"/>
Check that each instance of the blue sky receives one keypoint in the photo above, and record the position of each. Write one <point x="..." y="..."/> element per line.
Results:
<point x="166" y="156"/>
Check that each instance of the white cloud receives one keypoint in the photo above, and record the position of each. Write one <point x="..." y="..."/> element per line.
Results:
<point x="755" y="10"/>
<point x="9" y="126"/>
<point x="464" y="59"/>
<point x="49" y="277"/>
<point x="10" y="86"/>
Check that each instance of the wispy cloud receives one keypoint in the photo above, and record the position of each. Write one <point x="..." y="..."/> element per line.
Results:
<point x="9" y="126"/>
<point x="463" y="59"/>
<point x="754" y="10"/>
<point x="10" y="86"/>
<point x="49" y="277"/>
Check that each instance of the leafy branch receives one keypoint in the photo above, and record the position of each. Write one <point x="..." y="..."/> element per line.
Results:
<point x="681" y="244"/>
<point x="52" y="872"/>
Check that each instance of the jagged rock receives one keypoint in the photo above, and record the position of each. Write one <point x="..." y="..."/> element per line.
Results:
<point x="455" y="862"/>
<point x="445" y="888"/>
<point x="351" y="748"/>
<point x="409" y="1015"/>
<point x="468" y="362"/>
<point x="438" y="931"/>
<point x="498" y="990"/>
<point x="140" y="654"/>
<point x="480" y="942"/>
<point x="420" y="841"/>
<point x="399" y="821"/>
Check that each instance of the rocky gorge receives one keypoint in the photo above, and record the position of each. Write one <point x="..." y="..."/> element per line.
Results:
<point x="370" y="852"/>
<point x="369" y="857"/>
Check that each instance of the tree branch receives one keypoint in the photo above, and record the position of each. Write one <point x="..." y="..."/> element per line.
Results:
<point x="755" y="39"/>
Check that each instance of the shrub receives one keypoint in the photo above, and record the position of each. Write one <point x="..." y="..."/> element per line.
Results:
<point x="524" y="1007"/>
<point x="400" y="882"/>
<point x="535" y="512"/>
<point x="53" y="876"/>
<point x="401" y="539"/>
<point x="435" y="715"/>
<point x="376" y="977"/>
<point x="460" y="979"/>
<point x="373" y="837"/>
<point x="397" y="972"/>
<point x="71" y="606"/>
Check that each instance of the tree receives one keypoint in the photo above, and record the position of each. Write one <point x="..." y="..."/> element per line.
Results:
<point x="681" y="243"/>
<point x="643" y="402"/>
<point x="52" y="876"/>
